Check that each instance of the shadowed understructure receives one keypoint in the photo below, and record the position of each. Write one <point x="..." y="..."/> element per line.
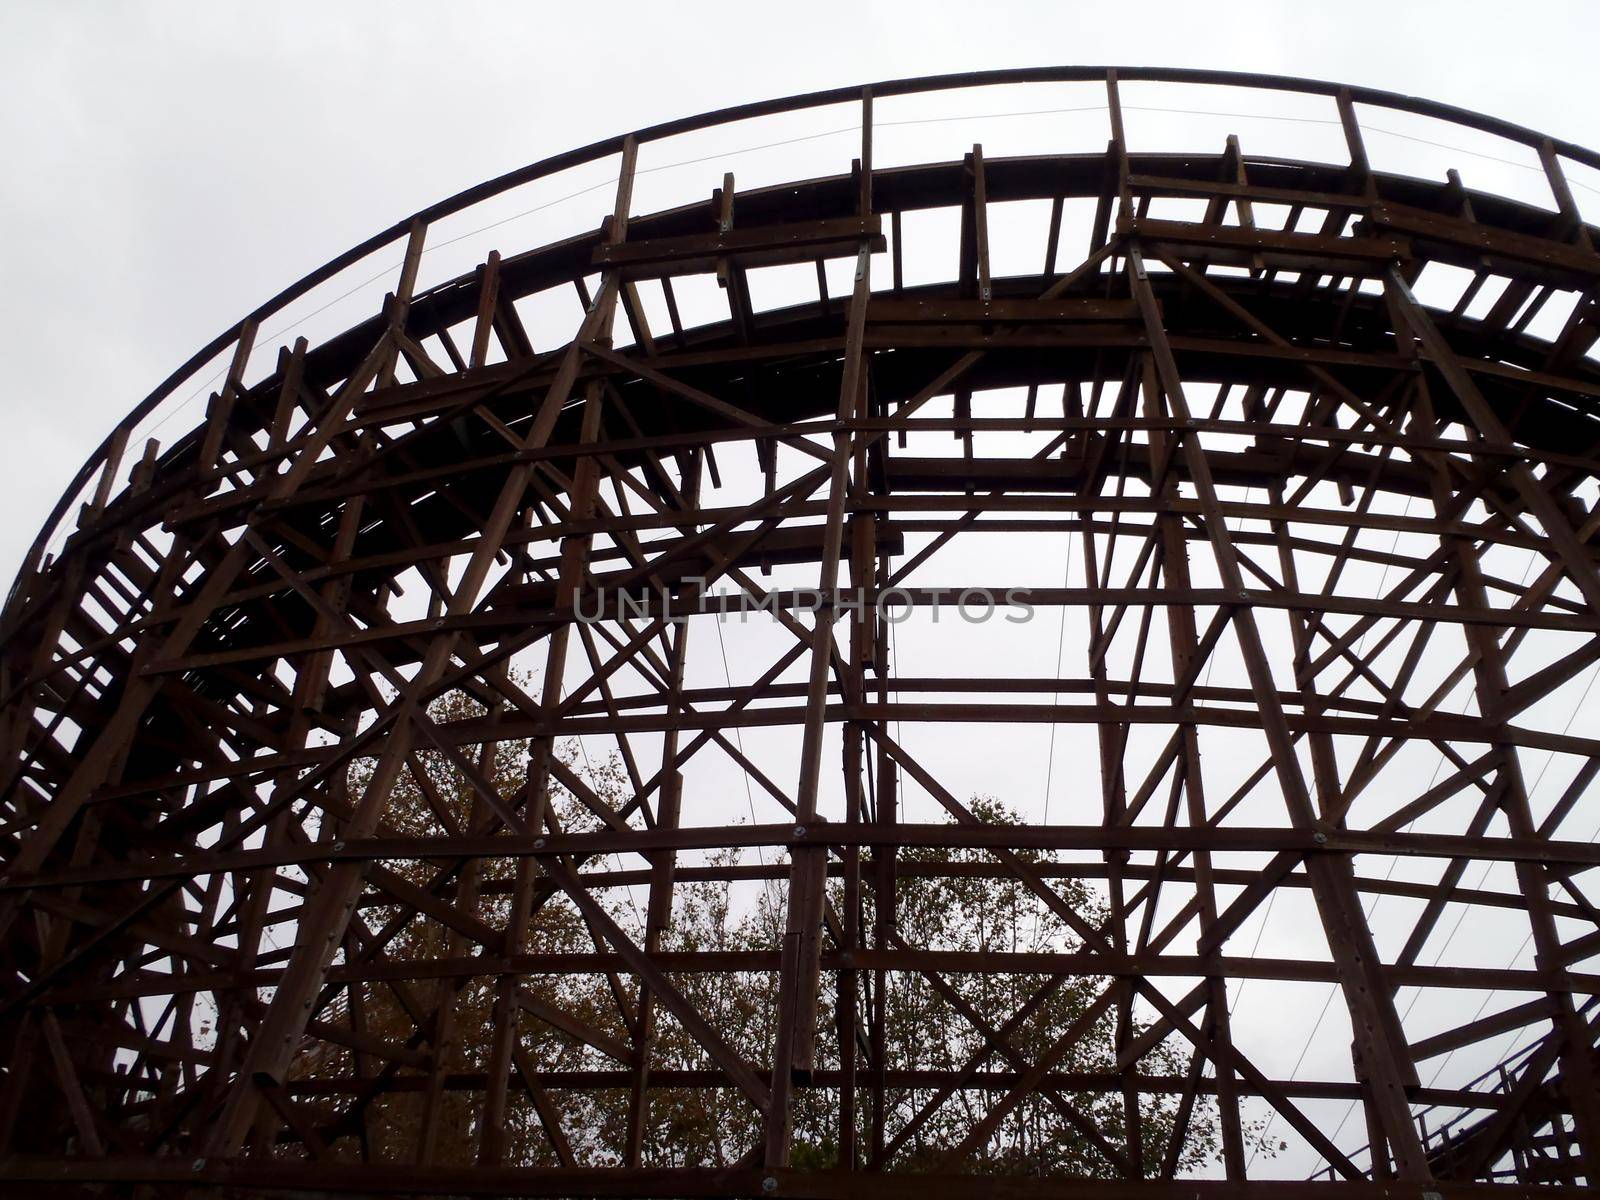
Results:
<point x="1306" y="455"/>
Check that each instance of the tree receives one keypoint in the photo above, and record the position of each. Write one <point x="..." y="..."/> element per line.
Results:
<point x="946" y="899"/>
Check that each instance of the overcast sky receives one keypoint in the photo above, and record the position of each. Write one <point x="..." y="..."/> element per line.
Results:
<point x="170" y="165"/>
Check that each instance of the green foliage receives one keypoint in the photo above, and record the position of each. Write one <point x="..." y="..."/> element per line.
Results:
<point x="950" y="899"/>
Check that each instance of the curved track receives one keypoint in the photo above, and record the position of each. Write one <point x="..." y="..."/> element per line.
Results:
<point x="1293" y="463"/>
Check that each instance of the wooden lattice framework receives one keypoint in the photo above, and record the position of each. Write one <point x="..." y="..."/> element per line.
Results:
<point x="1244" y="404"/>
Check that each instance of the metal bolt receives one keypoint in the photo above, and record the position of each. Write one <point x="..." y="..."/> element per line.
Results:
<point x="339" y="845"/>
<point x="769" y="1184"/>
<point x="1319" y="837"/>
<point x="538" y="843"/>
<point x="799" y="831"/>
<point x="198" y="1165"/>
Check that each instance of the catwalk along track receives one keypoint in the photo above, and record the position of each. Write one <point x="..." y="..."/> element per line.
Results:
<point x="499" y="748"/>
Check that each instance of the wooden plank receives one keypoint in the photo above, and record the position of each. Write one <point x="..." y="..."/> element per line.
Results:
<point x="1229" y="243"/>
<point x="886" y="311"/>
<point x="748" y="245"/>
